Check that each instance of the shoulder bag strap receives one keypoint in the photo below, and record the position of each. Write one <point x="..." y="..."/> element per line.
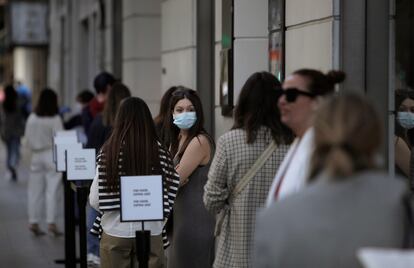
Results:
<point x="252" y="171"/>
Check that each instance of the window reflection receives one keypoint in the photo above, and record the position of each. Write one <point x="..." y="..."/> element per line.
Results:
<point x="404" y="84"/>
<point x="276" y="38"/>
<point x="404" y="26"/>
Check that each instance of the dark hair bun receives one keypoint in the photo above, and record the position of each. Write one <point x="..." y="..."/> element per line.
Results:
<point x="335" y="76"/>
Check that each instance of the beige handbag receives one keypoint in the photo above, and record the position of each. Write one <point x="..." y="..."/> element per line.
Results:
<point x="242" y="184"/>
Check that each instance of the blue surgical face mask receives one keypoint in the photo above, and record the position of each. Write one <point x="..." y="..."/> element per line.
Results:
<point x="406" y="119"/>
<point x="185" y="120"/>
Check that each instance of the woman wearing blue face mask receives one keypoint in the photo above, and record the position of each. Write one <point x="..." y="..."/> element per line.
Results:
<point x="192" y="232"/>
<point x="404" y="128"/>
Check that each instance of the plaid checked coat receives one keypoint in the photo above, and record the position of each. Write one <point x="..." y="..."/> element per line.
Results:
<point x="233" y="158"/>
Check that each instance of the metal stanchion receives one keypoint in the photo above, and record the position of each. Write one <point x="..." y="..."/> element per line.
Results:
<point x="82" y="194"/>
<point x="70" y="242"/>
<point x="142" y="240"/>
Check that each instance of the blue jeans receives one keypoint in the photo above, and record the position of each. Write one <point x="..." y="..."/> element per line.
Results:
<point x="92" y="240"/>
<point x="13" y="151"/>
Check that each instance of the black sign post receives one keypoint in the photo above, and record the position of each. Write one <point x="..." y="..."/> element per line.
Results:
<point x="82" y="197"/>
<point x="143" y="246"/>
<point x="141" y="201"/>
<point x="70" y="242"/>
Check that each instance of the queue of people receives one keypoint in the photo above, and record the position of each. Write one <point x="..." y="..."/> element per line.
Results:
<point x="294" y="183"/>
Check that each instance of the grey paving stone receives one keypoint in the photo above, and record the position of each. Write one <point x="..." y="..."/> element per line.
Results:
<point x="19" y="248"/>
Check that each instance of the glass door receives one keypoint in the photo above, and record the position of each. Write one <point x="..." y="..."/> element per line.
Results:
<point x="403" y="87"/>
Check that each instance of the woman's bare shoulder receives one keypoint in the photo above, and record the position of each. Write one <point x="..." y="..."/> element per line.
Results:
<point x="200" y="140"/>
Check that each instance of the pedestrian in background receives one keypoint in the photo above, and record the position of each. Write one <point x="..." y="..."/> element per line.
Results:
<point x="80" y="115"/>
<point x="161" y="120"/>
<point x="349" y="204"/>
<point x="101" y="126"/>
<point x="257" y="130"/>
<point x="99" y="132"/>
<point x="132" y="150"/>
<point x="25" y="99"/>
<point x="45" y="184"/>
<point x="301" y="95"/>
<point x="12" y="125"/>
<point x="102" y="83"/>
<point x="192" y="148"/>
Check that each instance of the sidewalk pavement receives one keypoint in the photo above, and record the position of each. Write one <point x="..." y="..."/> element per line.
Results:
<point x="19" y="248"/>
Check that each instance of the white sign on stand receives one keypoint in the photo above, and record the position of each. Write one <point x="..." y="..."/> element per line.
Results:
<point x="386" y="257"/>
<point x="141" y="198"/>
<point x="80" y="164"/>
<point x="66" y="133"/>
<point x="63" y="137"/>
<point x="61" y="154"/>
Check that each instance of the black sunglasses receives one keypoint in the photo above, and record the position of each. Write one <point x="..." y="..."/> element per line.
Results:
<point x="291" y="94"/>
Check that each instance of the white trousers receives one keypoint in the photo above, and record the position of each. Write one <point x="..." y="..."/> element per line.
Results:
<point x="45" y="184"/>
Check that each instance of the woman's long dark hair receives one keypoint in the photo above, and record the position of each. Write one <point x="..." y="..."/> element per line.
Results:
<point x="10" y="100"/>
<point x="172" y="131"/>
<point x="47" y="104"/>
<point x="133" y="134"/>
<point x="116" y="94"/>
<point x="257" y="106"/>
<point x="163" y="115"/>
<point x="165" y="101"/>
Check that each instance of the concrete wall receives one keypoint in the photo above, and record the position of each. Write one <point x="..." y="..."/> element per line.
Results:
<point x="80" y="45"/>
<point x="29" y="67"/>
<point x="178" y="43"/>
<point x="159" y="44"/>
<point x="250" y="50"/>
<point x="141" y="49"/>
<point x="107" y="61"/>
<point x="222" y="124"/>
<point x="309" y="35"/>
<point x="309" y="42"/>
<point x="250" y="40"/>
<point x="54" y="61"/>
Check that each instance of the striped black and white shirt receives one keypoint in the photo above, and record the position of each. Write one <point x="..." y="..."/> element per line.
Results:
<point x="108" y="202"/>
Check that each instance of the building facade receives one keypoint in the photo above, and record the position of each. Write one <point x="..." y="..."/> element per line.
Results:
<point x="23" y="43"/>
<point x="154" y="44"/>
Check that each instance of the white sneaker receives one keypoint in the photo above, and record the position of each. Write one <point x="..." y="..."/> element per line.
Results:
<point x="93" y="260"/>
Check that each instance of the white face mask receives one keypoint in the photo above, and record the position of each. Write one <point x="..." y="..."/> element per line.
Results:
<point x="77" y="108"/>
<point x="185" y="120"/>
<point x="406" y="119"/>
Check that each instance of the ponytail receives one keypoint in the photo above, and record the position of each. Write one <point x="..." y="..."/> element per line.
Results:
<point x="347" y="136"/>
<point x="319" y="83"/>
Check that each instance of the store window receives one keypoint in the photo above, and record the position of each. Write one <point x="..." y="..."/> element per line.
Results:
<point x="404" y="26"/>
<point x="226" y="59"/>
<point x="404" y="87"/>
<point x="277" y="38"/>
